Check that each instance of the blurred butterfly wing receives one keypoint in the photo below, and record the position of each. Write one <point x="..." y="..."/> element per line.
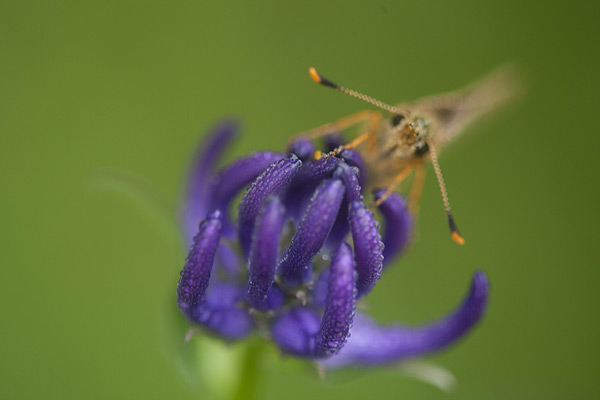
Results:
<point x="451" y="113"/>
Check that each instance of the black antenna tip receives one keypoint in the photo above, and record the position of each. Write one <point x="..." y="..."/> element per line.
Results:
<point x="320" y="79"/>
<point x="454" y="233"/>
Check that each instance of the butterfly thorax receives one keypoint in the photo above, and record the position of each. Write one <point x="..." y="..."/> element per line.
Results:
<point x="401" y="138"/>
<point x="399" y="142"/>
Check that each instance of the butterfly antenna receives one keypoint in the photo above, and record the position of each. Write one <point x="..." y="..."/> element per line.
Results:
<point x="326" y="82"/>
<point x="454" y="233"/>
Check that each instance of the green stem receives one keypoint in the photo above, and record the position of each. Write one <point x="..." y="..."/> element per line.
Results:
<point x="249" y="373"/>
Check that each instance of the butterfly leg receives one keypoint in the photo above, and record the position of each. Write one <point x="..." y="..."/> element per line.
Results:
<point x="393" y="185"/>
<point x="370" y="116"/>
<point x="416" y="189"/>
<point x="370" y="135"/>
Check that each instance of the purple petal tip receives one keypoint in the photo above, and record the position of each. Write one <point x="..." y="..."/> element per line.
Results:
<point x="373" y="344"/>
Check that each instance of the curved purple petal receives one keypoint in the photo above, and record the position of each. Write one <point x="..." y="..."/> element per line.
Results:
<point x="198" y="265"/>
<point x="272" y="181"/>
<point x="354" y="159"/>
<point x="216" y="309"/>
<point x="312" y="231"/>
<point x="349" y="177"/>
<point x="229" y="181"/>
<point x="197" y="198"/>
<point x="340" y="304"/>
<point x="368" y="248"/>
<point x="304" y="184"/>
<point x="303" y="148"/>
<point x="315" y="170"/>
<point x="302" y="333"/>
<point x="339" y="231"/>
<point x="264" y="251"/>
<point x="372" y="344"/>
<point x="398" y="225"/>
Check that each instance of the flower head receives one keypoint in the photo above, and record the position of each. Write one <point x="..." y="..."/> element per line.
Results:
<point x="283" y="266"/>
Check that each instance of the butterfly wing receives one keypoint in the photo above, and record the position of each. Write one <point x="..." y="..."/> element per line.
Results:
<point x="451" y="113"/>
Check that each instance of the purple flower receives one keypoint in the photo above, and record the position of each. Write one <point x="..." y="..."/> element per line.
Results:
<point x="286" y="265"/>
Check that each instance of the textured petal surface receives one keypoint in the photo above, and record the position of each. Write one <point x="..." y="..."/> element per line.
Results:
<point x="373" y="344"/>
<point x="272" y="181"/>
<point x="264" y="252"/>
<point x="228" y="182"/>
<point x="339" y="231"/>
<point x="301" y="332"/>
<point x="315" y="171"/>
<point x="215" y="309"/>
<point x="198" y="265"/>
<point x="312" y="231"/>
<point x="304" y="184"/>
<point x="352" y="158"/>
<point x="197" y="197"/>
<point x="398" y="225"/>
<point x="349" y="177"/>
<point x="368" y="248"/>
<point x="340" y="304"/>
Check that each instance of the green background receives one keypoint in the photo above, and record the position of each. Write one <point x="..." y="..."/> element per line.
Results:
<point x="87" y="276"/>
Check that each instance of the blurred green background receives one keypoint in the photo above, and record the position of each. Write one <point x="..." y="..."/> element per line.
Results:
<point x="87" y="277"/>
